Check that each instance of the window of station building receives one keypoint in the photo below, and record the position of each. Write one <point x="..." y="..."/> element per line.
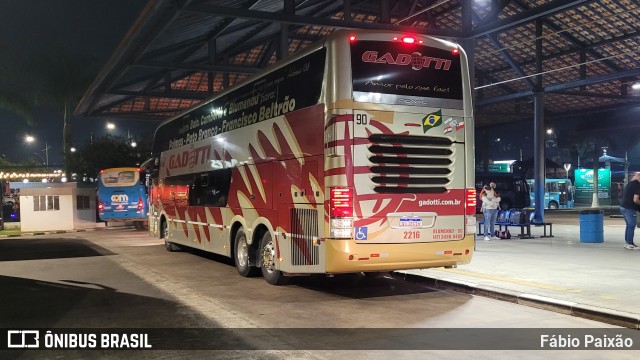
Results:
<point x="46" y="203"/>
<point x="82" y="202"/>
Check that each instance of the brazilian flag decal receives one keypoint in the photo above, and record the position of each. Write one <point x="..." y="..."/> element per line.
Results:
<point x="432" y="120"/>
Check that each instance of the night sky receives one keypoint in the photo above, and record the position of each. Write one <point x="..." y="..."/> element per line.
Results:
<point x="29" y="27"/>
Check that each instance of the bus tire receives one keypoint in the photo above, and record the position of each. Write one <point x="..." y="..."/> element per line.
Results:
<point x="244" y="253"/>
<point x="268" y="262"/>
<point x="553" y="205"/>
<point x="164" y="234"/>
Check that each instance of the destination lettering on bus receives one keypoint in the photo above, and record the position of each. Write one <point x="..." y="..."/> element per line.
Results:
<point x="277" y="93"/>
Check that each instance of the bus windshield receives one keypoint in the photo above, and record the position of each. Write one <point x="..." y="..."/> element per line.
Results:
<point x="112" y="178"/>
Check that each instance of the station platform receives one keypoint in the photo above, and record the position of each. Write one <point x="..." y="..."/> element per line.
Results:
<point x="599" y="281"/>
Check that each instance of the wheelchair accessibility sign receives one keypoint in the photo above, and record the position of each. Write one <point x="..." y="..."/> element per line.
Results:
<point x="361" y="233"/>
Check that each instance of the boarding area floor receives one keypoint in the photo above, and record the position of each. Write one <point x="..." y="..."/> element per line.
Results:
<point x="600" y="281"/>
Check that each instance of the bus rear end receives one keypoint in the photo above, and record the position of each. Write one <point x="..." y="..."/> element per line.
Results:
<point x="122" y="195"/>
<point x="407" y="198"/>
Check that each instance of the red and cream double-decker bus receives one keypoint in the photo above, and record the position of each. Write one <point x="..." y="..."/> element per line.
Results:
<point x="353" y="156"/>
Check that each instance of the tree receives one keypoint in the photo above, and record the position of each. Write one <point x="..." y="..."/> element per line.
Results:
<point x="107" y="152"/>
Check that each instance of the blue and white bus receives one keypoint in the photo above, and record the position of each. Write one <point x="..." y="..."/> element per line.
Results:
<point x="123" y="196"/>
<point x="558" y="194"/>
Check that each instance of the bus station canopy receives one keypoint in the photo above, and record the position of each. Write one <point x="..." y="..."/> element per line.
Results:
<point x="178" y="53"/>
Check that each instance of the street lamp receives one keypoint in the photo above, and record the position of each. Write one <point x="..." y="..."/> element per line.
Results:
<point x="131" y="140"/>
<point x="110" y="126"/>
<point x="30" y="139"/>
<point x="566" y="168"/>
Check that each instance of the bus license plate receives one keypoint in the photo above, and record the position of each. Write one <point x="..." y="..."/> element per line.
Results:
<point x="410" y="222"/>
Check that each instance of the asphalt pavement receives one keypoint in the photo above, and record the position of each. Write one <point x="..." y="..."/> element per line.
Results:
<point x="563" y="273"/>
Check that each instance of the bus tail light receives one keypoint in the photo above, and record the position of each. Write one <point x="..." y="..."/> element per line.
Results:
<point x="408" y="40"/>
<point x="341" y="202"/>
<point x="470" y="210"/>
<point x="140" y="204"/>
<point x="470" y="198"/>
<point x="340" y="213"/>
<point x="100" y="206"/>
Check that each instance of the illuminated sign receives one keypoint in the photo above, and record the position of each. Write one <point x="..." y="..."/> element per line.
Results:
<point x="119" y="198"/>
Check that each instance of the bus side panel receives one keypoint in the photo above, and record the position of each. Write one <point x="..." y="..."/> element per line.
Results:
<point x="300" y="215"/>
<point x="271" y="156"/>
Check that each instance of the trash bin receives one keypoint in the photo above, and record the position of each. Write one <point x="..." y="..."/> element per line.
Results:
<point x="591" y="226"/>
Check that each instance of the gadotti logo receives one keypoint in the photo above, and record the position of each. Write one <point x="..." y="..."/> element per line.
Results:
<point x="415" y="59"/>
<point x="190" y="158"/>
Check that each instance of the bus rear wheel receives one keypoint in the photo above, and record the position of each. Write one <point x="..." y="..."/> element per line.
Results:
<point x="268" y="261"/>
<point x="164" y="234"/>
<point x="553" y="205"/>
<point x="244" y="253"/>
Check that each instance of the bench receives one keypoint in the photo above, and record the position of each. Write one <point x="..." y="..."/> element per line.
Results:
<point x="519" y="218"/>
<point x="511" y="218"/>
<point x="544" y="226"/>
<point x="501" y="219"/>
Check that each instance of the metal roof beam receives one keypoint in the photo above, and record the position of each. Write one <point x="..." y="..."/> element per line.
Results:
<point x="193" y="43"/>
<point x="525" y="17"/>
<point x="199" y="67"/>
<point x="145" y="115"/>
<point x="593" y="80"/>
<point x="570" y="38"/>
<point x="501" y="98"/>
<point x="595" y="110"/>
<point x="489" y="76"/>
<point x="597" y="95"/>
<point x="571" y="51"/>
<point x="492" y="15"/>
<point x="154" y="19"/>
<point x="507" y="58"/>
<point x="279" y="17"/>
<point x="566" y="86"/>
<point x="189" y="95"/>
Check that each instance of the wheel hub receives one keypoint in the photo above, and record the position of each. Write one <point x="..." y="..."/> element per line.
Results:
<point x="268" y="256"/>
<point x="243" y="253"/>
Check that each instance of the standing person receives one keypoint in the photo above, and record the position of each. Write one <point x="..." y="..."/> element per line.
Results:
<point x="629" y="209"/>
<point x="490" y="204"/>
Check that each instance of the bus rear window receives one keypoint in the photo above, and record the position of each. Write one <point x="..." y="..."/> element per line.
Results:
<point x="119" y="178"/>
<point x="398" y="73"/>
